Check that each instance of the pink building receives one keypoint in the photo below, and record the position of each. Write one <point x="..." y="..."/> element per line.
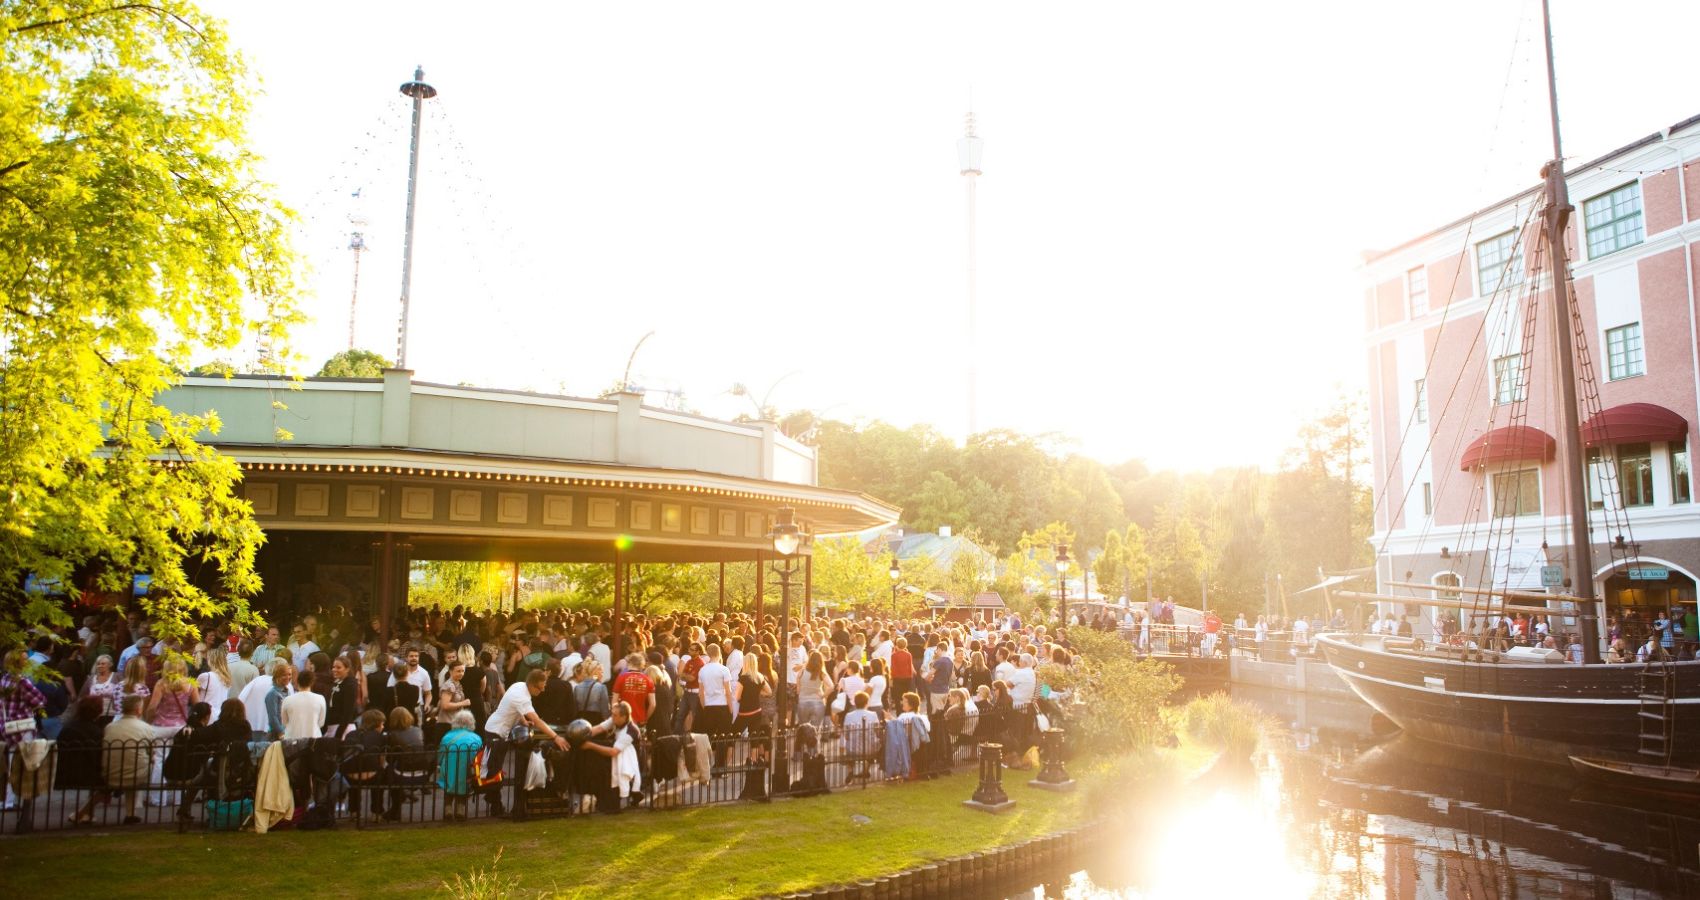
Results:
<point x="1461" y="384"/>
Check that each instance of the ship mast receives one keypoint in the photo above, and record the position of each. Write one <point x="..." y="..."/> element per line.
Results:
<point x="1554" y="218"/>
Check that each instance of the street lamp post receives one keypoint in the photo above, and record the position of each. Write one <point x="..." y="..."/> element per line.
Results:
<point x="1062" y="585"/>
<point x="896" y="573"/>
<point x="788" y="541"/>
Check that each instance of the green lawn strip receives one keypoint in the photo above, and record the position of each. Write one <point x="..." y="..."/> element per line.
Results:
<point x="730" y="850"/>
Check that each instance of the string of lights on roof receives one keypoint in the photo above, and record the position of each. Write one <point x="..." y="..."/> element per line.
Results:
<point x="511" y="478"/>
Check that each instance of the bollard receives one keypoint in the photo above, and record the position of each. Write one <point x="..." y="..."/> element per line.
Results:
<point x="1052" y="776"/>
<point x="989" y="795"/>
<point x="930" y="880"/>
<point x="865" y="889"/>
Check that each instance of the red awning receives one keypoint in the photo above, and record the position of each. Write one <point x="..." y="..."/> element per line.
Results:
<point x="1512" y="443"/>
<point x="1632" y="423"/>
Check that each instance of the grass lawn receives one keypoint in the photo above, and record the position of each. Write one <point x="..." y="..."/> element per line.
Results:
<point x="731" y="850"/>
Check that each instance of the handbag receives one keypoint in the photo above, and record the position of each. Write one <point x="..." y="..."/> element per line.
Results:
<point x="229" y="815"/>
<point x="537" y="772"/>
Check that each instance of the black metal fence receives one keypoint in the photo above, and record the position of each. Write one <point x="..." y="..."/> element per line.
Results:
<point x="349" y="781"/>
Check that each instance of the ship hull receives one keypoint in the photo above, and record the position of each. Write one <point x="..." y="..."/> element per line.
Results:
<point x="1546" y="712"/>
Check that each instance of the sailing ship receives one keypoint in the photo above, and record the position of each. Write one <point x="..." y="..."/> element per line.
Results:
<point x="1530" y="703"/>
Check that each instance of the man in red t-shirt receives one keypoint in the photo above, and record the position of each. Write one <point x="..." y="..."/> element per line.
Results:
<point x="636" y="689"/>
<point x="1212" y="625"/>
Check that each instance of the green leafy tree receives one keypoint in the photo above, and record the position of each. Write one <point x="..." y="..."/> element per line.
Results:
<point x="847" y="576"/>
<point x="1109" y="567"/>
<point x="355" y="364"/>
<point x="133" y="236"/>
<point x="1136" y="560"/>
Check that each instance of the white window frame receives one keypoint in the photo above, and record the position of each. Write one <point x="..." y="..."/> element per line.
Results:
<point x="1621" y="361"/>
<point x="1496" y="269"/>
<point x="1421" y="390"/>
<point x="1517" y="512"/>
<point x="1633" y="230"/>
<point x="1416" y="291"/>
<point x="1518" y="388"/>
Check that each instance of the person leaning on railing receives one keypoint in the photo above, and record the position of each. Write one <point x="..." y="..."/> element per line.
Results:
<point x="455" y="756"/>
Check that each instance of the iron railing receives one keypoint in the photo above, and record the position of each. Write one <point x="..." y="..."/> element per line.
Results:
<point x="163" y="783"/>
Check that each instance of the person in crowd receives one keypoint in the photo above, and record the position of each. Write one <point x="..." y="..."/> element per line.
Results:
<point x="79" y="756"/>
<point x="812" y="688"/>
<point x="861" y="734"/>
<point x="379" y="695"/>
<point x="105" y="685"/>
<point x="242" y="668"/>
<point x="214" y="685"/>
<point x="455" y="756"/>
<point x="748" y="691"/>
<point x="666" y="701"/>
<point x="877" y="687"/>
<point x="342" y="703"/>
<point x="408" y="762"/>
<point x="517" y="708"/>
<point x="590" y="695"/>
<point x="413" y="674"/>
<point x="717" y="687"/>
<point x="302" y="714"/>
<point x="363" y="764"/>
<point x="472" y="679"/>
<point x="634" y="688"/>
<point x="226" y="732"/>
<point x="451" y="698"/>
<point x="268" y="650"/>
<point x="168" y="710"/>
<point x="125" y="756"/>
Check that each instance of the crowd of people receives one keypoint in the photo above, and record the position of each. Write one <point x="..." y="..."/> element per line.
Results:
<point x="451" y="683"/>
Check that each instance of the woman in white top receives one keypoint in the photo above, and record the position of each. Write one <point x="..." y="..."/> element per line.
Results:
<point x="105" y="684"/>
<point x="215" y="683"/>
<point x="876" y="687"/>
<point x="849" y="686"/>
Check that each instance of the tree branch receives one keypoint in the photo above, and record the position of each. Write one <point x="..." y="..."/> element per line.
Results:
<point x="123" y="7"/>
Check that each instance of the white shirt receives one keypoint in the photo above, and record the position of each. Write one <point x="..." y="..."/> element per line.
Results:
<point x="213" y="693"/>
<point x="253" y="699"/>
<point x="1021" y="686"/>
<point x="883" y="651"/>
<point x="716" y="682"/>
<point x="876" y="692"/>
<point x="795" y="661"/>
<point x="1002" y="671"/>
<point x="600" y="652"/>
<point x="516" y="702"/>
<point x="301" y="652"/>
<point x="569" y="663"/>
<point x="735" y="662"/>
<point x="303" y="715"/>
<point x="419" y="679"/>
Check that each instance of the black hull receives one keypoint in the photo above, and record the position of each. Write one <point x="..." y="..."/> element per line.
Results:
<point x="1525" y="711"/>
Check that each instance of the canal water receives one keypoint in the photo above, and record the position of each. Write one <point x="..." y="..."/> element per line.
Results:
<point x="1341" y="808"/>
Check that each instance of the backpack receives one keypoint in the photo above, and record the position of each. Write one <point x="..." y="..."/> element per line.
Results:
<point x="179" y="763"/>
<point x="236" y="773"/>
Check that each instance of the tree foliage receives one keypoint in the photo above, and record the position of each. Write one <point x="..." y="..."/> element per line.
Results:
<point x="133" y="234"/>
<point x="1222" y="534"/>
<point x="355" y="363"/>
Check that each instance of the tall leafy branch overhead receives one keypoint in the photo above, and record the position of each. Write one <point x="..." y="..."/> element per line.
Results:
<point x="133" y="234"/>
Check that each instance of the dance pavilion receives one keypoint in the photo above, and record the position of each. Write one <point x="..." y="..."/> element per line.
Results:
<point x="352" y="479"/>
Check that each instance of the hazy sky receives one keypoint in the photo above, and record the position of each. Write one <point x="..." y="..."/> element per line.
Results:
<point x="1170" y="219"/>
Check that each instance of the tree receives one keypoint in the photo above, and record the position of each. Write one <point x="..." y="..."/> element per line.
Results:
<point x="1136" y="560"/>
<point x="133" y="235"/>
<point x="846" y="575"/>
<point x="355" y="364"/>
<point x="1109" y="567"/>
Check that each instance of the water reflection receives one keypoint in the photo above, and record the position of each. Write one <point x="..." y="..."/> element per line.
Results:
<point x="1333" y="810"/>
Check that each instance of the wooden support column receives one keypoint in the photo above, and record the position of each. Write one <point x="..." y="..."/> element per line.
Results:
<point x="619" y="602"/>
<point x="761" y="588"/>
<point x="808" y="588"/>
<point x="383" y="568"/>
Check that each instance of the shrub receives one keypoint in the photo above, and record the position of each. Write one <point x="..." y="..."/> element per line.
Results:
<point x="1124" y="697"/>
<point x="1218" y="721"/>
